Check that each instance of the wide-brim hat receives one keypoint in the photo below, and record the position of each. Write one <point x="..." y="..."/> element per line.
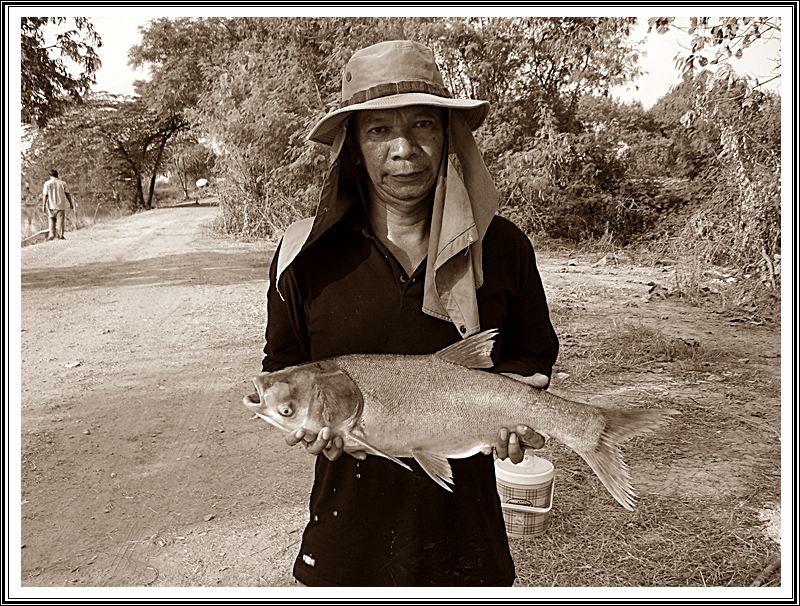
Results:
<point x="389" y="75"/>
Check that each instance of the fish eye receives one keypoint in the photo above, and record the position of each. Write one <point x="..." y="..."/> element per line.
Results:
<point x="285" y="410"/>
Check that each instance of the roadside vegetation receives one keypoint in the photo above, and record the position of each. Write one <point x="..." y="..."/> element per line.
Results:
<point x="693" y="182"/>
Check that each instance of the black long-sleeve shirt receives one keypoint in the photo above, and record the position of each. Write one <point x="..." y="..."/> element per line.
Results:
<point x="372" y="522"/>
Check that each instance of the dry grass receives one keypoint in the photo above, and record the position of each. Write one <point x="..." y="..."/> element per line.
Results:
<point x="666" y="542"/>
<point x="34" y="219"/>
<point x="701" y="279"/>
<point x="625" y="347"/>
<point x="704" y="481"/>
<point x="704" y="276"/>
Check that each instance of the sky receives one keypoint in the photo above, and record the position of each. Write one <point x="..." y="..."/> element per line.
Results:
<point x="120" y="33"/>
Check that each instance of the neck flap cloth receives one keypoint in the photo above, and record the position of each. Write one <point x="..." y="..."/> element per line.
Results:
<point x="402" y="73"/>
<point x="464" y="203"/>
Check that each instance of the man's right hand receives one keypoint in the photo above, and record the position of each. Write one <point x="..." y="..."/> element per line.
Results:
<point x="321" y="442"/>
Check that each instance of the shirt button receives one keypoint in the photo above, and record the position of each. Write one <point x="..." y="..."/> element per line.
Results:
<point x="463" y="329"/>
<point x="403" y="279"/>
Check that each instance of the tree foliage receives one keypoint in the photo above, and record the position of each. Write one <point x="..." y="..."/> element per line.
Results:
<point x="255" y="87"/>
<point x="727" y="135"/>
<point x="47" y="81"/>
<point x="82" y="158"/>
<point x="714" y="42"/>
<point x="105" y="143"/>
<point x="138" y="136"/>
<point x="701" y="167"/>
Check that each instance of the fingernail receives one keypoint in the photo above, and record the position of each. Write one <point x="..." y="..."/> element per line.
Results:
<point x="325" y="433"/>
<point x="504" y="434"/>
<point x="513" y="438"/>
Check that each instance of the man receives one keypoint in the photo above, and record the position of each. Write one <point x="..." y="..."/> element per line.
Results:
<point x="56" y="199"/>
<point x="405" y="256"/>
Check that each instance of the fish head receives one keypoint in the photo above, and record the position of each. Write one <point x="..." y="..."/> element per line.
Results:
<point x="311" y="396"/>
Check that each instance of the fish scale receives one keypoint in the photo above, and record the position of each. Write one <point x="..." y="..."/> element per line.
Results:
<point x="444" y="405"/>
<point x="433" y="392"/>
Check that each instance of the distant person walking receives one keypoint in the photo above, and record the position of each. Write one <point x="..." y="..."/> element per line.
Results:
<point x="55" y="201"/>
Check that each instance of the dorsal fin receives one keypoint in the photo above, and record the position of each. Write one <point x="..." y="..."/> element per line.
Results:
<point x="472" y="352"/>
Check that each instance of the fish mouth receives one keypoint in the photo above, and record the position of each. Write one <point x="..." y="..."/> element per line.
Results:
<point x="252" y="402"/>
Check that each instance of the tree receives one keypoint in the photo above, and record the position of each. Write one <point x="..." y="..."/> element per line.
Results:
<point x="714" y="42"/>
<point x="46" y="80"/>
<point x="94" y="174"/>
<point x="254" y="88"/>
<point x="138" y="136"/>
<point x="113" y="146"/>
<point x="727" y="141"/>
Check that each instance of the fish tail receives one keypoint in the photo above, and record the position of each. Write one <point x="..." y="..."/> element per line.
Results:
<point x="606" y="458"/>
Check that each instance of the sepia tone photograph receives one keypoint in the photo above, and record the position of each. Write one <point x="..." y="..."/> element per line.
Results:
<point x="569" y="383"/>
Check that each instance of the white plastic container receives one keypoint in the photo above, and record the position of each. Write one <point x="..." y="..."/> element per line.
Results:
<point x="526" y="494"/>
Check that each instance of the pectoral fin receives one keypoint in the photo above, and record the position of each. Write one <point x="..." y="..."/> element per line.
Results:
<point x="436" y="466"/>
<point x="371" y="449"/>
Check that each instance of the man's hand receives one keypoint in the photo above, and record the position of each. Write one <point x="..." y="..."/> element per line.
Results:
<point x="322" y="442"/>
<point x="509" y="443"/>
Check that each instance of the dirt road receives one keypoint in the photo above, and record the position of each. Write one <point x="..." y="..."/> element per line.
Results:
<point x="140" y="466"/>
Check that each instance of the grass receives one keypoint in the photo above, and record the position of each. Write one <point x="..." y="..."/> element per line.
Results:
<point x="701" y="281"/>
<point x="34" y="219"/>
<point x="699" y="278"/>
<point x="625" y="346"/>
<point x="668" y="542"/>
<point x="705" y="481"/>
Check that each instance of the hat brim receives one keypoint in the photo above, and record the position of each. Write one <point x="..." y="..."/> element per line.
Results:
<point x="473" y="111"/>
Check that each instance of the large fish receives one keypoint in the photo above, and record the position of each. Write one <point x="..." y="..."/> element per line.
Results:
<point x="438" y="406"/>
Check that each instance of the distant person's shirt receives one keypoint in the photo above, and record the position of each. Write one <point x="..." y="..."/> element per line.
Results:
<point x="56" y="192"/>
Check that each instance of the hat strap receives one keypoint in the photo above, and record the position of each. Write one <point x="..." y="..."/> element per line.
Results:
<point x="396" y="88"/>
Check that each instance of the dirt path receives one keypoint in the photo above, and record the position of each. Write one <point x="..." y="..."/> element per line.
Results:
<point x="140" y="467"/>
<point x="139" y="339"/>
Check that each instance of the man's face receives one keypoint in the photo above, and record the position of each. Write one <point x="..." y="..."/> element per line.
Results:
<point x="401" y="150"/>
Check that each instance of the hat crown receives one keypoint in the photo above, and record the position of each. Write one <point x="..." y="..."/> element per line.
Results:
<point x="392" y="67"/>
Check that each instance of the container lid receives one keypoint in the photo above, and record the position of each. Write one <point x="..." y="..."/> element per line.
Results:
<point x="531" y="470"/>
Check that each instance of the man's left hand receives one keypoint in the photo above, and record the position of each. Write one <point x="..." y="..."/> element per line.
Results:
<point x="509" y="443"/>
